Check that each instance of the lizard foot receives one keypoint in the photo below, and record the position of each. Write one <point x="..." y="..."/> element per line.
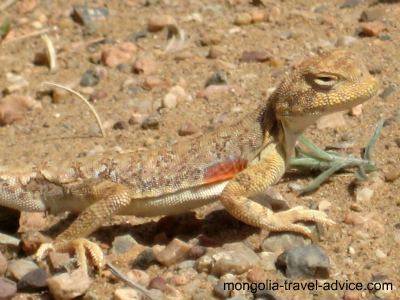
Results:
<point x="81" y="247"/>
<point x="285" y="220"/>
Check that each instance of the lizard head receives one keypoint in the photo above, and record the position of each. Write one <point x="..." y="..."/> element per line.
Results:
<point x="333" y="81"/>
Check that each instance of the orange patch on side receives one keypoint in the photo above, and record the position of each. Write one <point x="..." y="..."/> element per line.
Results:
<point x="224" y="170"/>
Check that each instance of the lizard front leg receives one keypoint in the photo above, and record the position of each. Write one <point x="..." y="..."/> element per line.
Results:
<point x="257" y="178"/>
<point x="108" y="198"/>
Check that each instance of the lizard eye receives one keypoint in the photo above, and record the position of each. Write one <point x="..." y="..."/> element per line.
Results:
<point x="325" y="80"/>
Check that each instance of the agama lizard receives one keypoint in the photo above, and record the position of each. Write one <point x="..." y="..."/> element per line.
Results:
<point x="231" y="164"/>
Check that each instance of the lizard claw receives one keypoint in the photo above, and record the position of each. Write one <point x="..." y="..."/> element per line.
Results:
<point x="81" y="246"/>
<point x="285" y="220"/>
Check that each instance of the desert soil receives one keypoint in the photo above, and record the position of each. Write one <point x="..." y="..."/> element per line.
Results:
<point x="365" y="241"/>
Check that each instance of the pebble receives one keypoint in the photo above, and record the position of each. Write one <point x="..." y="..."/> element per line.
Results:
<point x="371" y="29"/>
<point x="33" y="281"/>
<point x="69" y="285"/>
<point x="151" y="122"/>
<point x="345" y="41"/>
<point x="373" y="14"/>
<point x="364" y="194"/>
<point x="352" y="295"/>
<point x="257" y="274"/>
<point x="176" y="251"/>
<point x="145" y="66"/>
<point x="356" y="110"/>
<point x="354" y="218"/>
<point x="380" y="254"/>
<point x="268" y="260"/>
<point x="169" y="101"/>
<point x="278" y="243"/>
<point x="122" y="244"/>
<point x="59" y="260"/>
<point x="159" y="22"/>
<point x="333" y="120"/>
<point x="127" y="294"/>
<point x="13" y="107"/>
<point x="216" y="52"/>
<point x="158" y="283"/>
<point x="20" y="267"/>
<point x="258" y="16"/>
<point x="137" y="118"/>
<point x="85" y="15"/>
<point x="243" y="19"/>
<point x="210" y="38"/>
<point x="308" y="261"/>
<point x="235" y="258"/>
<point x="254" y="56"/>
<point x="220" y="288"/>
<point x="152" y="81"/>
<point x="3" y="264"/>
<point x="8" y="288"/>
<point x="187" y="129"/>
<point x="139" y="276"/>
<point x="350" y="3"/>
<point x="89" y="78"/>
<point x="113" y="56"/>
<point x="218" y="78"/>
<point x="17" y="81"/>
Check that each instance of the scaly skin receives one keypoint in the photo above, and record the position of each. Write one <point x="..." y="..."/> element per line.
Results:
<point x="231" y="164"/>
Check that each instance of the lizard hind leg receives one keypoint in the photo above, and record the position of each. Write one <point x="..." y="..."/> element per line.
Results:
<point x="108" y="198"/>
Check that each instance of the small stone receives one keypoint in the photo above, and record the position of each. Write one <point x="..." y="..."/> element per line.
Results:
<point x="373" y="14"/>
<point x="371" y="29"/>
<point x="352" y="295"/>
<point x="136" y="118"/>
<point x="268" y="260"/>
<point x="17" y="81"/>
<point x="120" y="125"/>
<point x="3" y="264"/>
<point x="345" y="41"/>
<point x="197" y="251"/>
<point x="113" y="56"/>
<point x="8" y="288"/>
<point x="98" y="95"/>
<point x="220" y="288"/>
<point x="364" y="194"/>
<point x="350" y="3"/>
<point x="255" y="56"/>
<point x="159" y="22"/>
<point x="324" y="205"/>
<point x="218" y="78"/>
<point x="392" y="173"/>
<point x="20" y="267"/>
<point x="139" y="276"/>
<point x="243" y="19"/>
<point x="210" y="38"/>
<point x="88" y="15"/>
<point x="158" y="283"/>
<point x="187" y="129"/>
<point x="69" y="285"/>
<point x="89" y="78"/>
<point x="356" y="110"/>
<point x="122" y="244"/>
<point x="152" y="81"/>
<point x="235" y="258"/>
<point x="59" y="260"/>
<point x="258" y="16"/>
<point x="278" y="243"/>
<point x="308" y="261"/>
<point x="216" y="52"/>
<point x="354" y="218"/>
<point x="33" y="281"/>
<point x="170" y="101"/>
<point x="256" y="274"/>
<point x="175" y="252"/>
<point x="145" y="66"/>
<point x="13" y="107"/>
<point x="380" y="254"/>
<point x="151" y="122"/>
<point x="32" y="240"/>
<point x="333" y="120"/>
<point x="127" y="294"/>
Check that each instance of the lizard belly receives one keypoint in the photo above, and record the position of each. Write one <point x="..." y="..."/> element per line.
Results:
<point x="175" y="203"/>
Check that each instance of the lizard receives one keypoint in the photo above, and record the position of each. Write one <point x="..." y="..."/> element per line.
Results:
<point x="230" y="164"/>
